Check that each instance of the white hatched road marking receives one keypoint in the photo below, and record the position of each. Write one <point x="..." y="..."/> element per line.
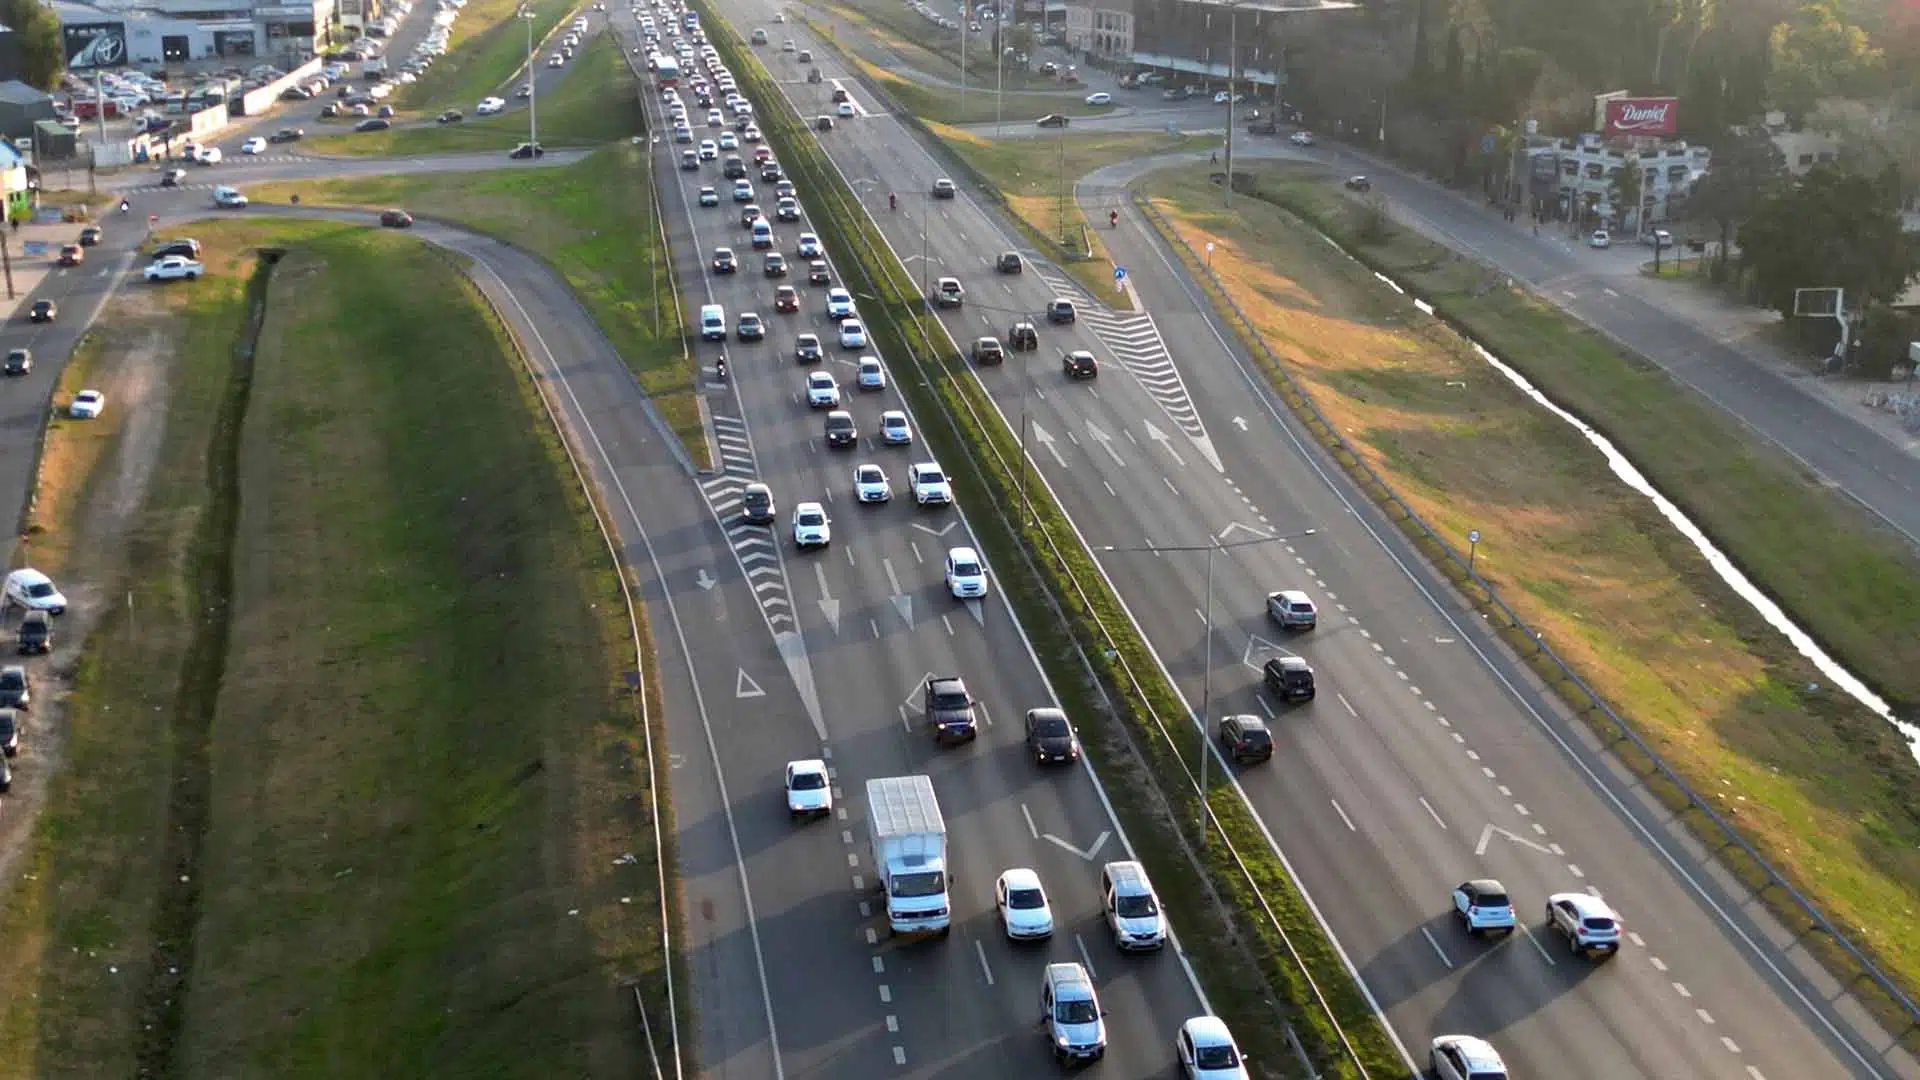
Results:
<point x="755" y="547"/>
<point x="1134" y="339"/>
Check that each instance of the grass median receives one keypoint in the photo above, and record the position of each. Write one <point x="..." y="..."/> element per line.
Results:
<point x="489" y="44"/>
<point x="593" y="223"/>
<point x="1819" y="785"/>
<point x="1251" y="972"/>
<point x="594" y="103"/>
<point x="350" y="755"/>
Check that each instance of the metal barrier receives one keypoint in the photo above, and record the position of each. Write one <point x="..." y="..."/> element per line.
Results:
<point x="1297" y="398"/>
<point x="837" y="188"/>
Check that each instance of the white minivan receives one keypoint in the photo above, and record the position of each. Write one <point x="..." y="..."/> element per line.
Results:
<point x="713" y="322"/>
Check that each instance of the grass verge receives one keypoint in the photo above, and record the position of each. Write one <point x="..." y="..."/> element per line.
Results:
<point x="288" y="839"/>
<point x="904" y="38"/>
<point x="595" y="103"/>
<point x="1819" y="785"/>
<point x="1092" y="654"/>
<point x="593" y="222"/>
<point x="488" y="45"/>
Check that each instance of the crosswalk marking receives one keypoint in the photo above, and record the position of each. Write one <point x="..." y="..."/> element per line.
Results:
<point x="755" y="547"/>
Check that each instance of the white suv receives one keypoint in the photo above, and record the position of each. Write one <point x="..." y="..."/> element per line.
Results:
<point x="1132" y="908"/>
<point x="1463" y="1057"/>
<point x="811" y="528"/>
<point x="930" y="487"/>
<point x="1590" y="926"/>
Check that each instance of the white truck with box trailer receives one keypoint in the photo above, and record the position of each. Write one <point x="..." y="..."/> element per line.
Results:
<point x="908" y="841"/>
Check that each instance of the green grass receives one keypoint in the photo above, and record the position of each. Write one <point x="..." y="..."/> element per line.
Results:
<point x="1824" y="788"/>
<point x="489" y="44"/>
<point x="596" y="102"/>
<point x="1249" y="971"/>
<point x="942" y="104"/>
<point x="925" y="47"/>
<point x="356" y="742"/>
<point x="593" y="223"/>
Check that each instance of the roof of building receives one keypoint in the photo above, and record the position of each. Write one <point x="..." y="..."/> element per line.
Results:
<point x="15" y="92"/>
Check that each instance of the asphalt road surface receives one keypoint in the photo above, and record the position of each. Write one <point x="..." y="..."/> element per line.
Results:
<point x="858" y="627"/>
<point x="1429" y="757"/>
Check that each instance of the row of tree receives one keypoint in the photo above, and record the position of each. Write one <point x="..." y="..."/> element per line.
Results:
<point x="42" y="53"/>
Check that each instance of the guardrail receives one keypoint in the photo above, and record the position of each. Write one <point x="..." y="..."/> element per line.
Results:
<point x="1511" y="629"/>
<point x="1130" y="687"/>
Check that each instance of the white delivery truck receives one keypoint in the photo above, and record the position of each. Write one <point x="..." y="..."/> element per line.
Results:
<point x="908" y="840"/>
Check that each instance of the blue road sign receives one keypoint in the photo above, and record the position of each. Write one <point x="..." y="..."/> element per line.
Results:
<point x="33" y="249"/>
<point x="1486" y="144"/>
<point x="1119" y="273"/>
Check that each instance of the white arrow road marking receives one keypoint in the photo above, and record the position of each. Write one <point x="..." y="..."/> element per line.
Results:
<point x="744" y="687"/>
<point x="1106" y="443"/>
<point x="1088" y="854"/>
<point x="1166" y="442"/>
<point x="1228" y="531"/>
<point x="1487" y="834"/>
<point x="941" y="531"/>
<point x="705" y="580"/>
<point x="828" y="605"/>
<point x="1256" y="645"/>
<point x="1046" y="441"/>
<point x="901" y="601"/>
<point x="1240" y="422"/>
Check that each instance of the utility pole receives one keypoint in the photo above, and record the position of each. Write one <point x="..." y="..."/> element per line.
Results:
<point x="965" y="15"/>
<point x="999" y="72"/>
<point x="1233" y="67"/>
<point x="6" y="261"/>
<point x="533" y="86"/>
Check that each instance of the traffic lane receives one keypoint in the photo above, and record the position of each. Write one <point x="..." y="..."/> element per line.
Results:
<point x="1428" y="652"/>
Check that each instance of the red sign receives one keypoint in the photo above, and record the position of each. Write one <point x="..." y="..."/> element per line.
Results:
<point x="1643" y="116"/>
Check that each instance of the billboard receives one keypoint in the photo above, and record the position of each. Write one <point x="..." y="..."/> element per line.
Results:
<point x="1642" y="116"/>
<point x="95" y="45"/>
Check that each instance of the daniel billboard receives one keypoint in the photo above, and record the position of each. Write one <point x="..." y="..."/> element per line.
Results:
<point x="1642" y="116"/>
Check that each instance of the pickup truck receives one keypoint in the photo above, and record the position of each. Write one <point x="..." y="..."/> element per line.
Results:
<point x="949" y="709"/>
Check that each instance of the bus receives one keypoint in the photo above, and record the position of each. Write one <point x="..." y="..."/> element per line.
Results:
<point x="666" y="70"/>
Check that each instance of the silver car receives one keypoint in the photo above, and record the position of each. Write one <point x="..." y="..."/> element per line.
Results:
<point x="1291" y="609"/>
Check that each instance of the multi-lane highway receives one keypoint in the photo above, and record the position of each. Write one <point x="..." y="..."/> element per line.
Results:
<point x="832" y="658"/>
<point x="1429" y="758"/>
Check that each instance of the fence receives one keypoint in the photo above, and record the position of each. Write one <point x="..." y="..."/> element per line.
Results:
<point x="1511" y="629"/>
<point x="260" y="99"/>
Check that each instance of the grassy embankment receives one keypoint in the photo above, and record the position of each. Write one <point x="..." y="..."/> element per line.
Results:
<point x="349" y="753"/>
<point x="594" y="103"/>
<point x="593" y="223"/>
<point x="1256" y="978"/>
<point x="1819" y="785"/>
<point x="488" y="46"/>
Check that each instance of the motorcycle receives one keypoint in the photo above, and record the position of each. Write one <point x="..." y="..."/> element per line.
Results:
<point x="125" y="206"/>
<point x="893" y="201"/>
<point x="1113" y="219"/>
<point x="720" y="370"/>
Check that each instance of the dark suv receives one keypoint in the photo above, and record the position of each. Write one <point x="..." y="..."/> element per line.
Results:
<point x="35" y="634"/>
<point x="949" y="709"/>
<point x="1080" y="364"/>
<point x="1023" y="337"/>
<point x="19" y="361"/>
<point x="9" y="732"/>
<point x="1245" y="739"/>
<point x="1050" y="738"/>
<point x="1008" y="262"/>
<point x="841" y="432"/>
<point x="756" y="504"/>
<point x="1060" y="310"/>
<point x="1288" y="678"/>
<point x="16" y="690"/>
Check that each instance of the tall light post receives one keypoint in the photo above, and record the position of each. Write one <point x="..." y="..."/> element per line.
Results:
<point x="533" y="85"/>
<point x="1214" y="546"/>
<point x="999" y="71"/>
<point x="1233" y="68"/>
<point x="965" y="15"/>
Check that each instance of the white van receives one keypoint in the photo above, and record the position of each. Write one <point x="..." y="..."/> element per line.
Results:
<point x="713" y="322"/>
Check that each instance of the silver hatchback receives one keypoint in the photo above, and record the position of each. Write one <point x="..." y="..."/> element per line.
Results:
<point x="1291" y="609"/>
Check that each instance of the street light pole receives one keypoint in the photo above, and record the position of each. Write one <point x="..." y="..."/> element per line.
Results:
<point x="1233" y="65"/>
<point x="999" y="73"/>
<point x="533" y="86"/>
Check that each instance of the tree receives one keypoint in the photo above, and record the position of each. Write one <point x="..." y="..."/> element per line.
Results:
<point x="1623" y="189"/>
<point x="1020" y="40"/>
<point x="42" y="52"/>
<point x="1832" y="228"/>
<point x="1817" y="54"/>
<point x="1746" y="168"/>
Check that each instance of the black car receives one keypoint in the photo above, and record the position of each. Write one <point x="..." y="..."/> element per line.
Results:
<point x="1050" y="738"/>
<point x="806" y="349"/>
<point x="750" y="328"/>
<point x="948" y="707"/>
<point x="373" y="124"/>
<point x="1023" y="337"/>
<point x="1080" y="364"/>
<point x="734" y="168"/>
<point x="43" y="311"/>
<point x="776" y="265"/>
<point x="16" y="690"/>
<point x="1359" y="183"/>
<point x="90" y="236"/>
<point x="329" y="111"/>
<point x="526" y="151"/>
<point x="1053" y="120"/>
<point x="186" y="249"/>
<point x="172" y="177"/>
<point x="756" y="505"/>
<point x="451" y="116"/>
<point x="1008" y="263"/>
<point x="1288" y="678"/>
<point x="771" y="172"/>
<point x="724" y="262"/>
<point x="841" y="432"/>
<point x="823" y="123"/>
<point x="286" y="135"/>
<point x="19" y="362"/>
<point x="35" y="633"/>
<point x="1060" y="310"/>
<point x="817" y="273"/>
<point x="395" y="219"/>
<point x="1245" y="739"/>
<point x="9" y="732"/>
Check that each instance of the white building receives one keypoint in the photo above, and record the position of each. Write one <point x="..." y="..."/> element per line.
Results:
<point x="164" y="33"/>
<point x="1584" y="168"/>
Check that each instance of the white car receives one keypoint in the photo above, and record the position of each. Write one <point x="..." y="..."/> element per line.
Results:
<point x="255" y="145"/>
<point x="709" y="151"/>
<point x="811" y="528"/>
<point x="872" y="376"/>
<point x="870" y="484"/>
<point x="787" y="209"/>
<point x="1301" y="138"/>
<point x="752" y="134"/>
<point x="1484" y="906"/>
<point x="844" y="110"/>
<point x="809" y="789"/>
<point x="30" y="589"/>
<point x="894" y="429"/>
<point x="929" y="483"/>
<point x="1590" y="926"/>
<point x="1463" y="1057"/>
<point x="228" y="198"/>
<point x="839" y="303"/>
<point x="208" y="155"/>
<point x="87" y="405"/>
<point x="852" y="334"/>
<point x="728" y="141"/>
<point x="1024" y="911"/>
<point x="742" y="191"/>
<point x="173" y="268"/>
<point x="1601" y="238"/>
<point x="490" y="105"/>
<point x="714" y="119"/>
<point x="1206" y="1051"/>
<point x="1101" y="98"/>
<point x="966" y="575"/>
<point x="822" y="391"/>
<point x="810" y="249"/>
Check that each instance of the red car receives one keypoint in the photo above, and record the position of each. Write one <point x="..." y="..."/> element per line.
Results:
<point x="786" y="300"/>
<point x="395" y="219"/>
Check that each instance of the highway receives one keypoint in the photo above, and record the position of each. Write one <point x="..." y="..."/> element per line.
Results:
<point x="859" y="626"/>
<point x="1429" y="758"/>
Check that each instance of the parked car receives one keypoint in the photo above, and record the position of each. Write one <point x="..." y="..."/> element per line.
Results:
<point x="34" y="634"/>
<point x="32" y="590"/>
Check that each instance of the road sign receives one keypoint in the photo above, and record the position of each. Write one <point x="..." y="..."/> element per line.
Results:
<point x="1486" y="144"/>
<point x="1119" y="273"/>
<point x="33" y="249"/>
